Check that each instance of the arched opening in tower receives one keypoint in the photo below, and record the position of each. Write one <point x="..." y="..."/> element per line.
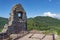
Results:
<point x="20" y="15"/>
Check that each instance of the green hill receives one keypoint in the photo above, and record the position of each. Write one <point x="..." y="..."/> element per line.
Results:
<point x="39" y="23"/>
<point x="3" y="21"/>
<point x="44" y="23"/>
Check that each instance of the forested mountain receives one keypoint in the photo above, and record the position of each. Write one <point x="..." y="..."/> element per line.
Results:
<point x="3" y="21"/>
<point x="42" y="23"/>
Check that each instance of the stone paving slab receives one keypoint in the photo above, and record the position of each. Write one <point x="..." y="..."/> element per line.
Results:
<point x="48" y="37"/>
<point x="38" y="35"/>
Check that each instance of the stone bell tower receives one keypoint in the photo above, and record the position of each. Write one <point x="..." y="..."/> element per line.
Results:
<point x="17" y="20"/>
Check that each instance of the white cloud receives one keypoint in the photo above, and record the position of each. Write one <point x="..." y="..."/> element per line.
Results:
<point x="49" y="14"/>
<point x="54" y="15"/>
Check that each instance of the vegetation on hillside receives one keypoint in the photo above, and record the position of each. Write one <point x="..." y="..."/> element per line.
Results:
<point x="3" y="21"/>
<point x="44" y="23"/>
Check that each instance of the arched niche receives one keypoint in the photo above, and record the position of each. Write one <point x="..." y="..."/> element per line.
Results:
<point x="20" y="14"/>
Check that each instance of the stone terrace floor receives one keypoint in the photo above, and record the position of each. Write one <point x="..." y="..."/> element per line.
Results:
<point x="36" y="37"/>
<point x="33" y="35"/>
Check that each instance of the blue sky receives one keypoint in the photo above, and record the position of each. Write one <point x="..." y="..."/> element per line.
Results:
<point x="32" y="7"/>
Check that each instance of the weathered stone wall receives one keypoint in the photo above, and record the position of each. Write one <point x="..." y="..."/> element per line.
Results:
<point x="17" y="23"/>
